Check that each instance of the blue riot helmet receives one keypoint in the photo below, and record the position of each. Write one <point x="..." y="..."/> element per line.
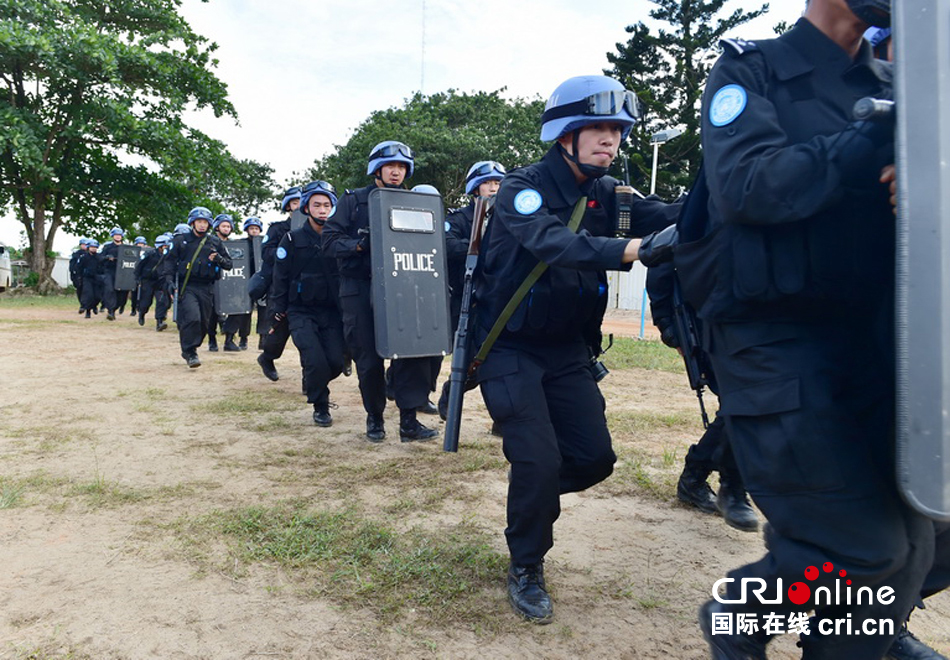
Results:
<point x="390" y="151"/>
<point x="878" y="38"/>
<point x="317" y="188"/>
<point x="427" y="189"/>
<point x="199" y="212"/>
<point x="290" y="195"/>
<point x="586" y="100"/>
<point x="872" y="12"/>
<point x="93" y="243"/>
<point x="116" y="231"/>
<point x="482" y="171"/>
<point x="181" y="228"/>
<point x="84" y="241"/>
<point x="253" y="222"/>
<point x="161" y="240"/>
<point x="222" y="218"/>
<point x="139" y="240"/>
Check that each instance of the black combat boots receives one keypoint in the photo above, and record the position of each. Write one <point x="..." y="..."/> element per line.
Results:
<point x="527" y="594"/>
<point x="693" y="489"/>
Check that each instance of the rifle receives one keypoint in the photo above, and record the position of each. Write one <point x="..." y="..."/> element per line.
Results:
<point x="462" y="367"/>
<point x="687" y="336"/>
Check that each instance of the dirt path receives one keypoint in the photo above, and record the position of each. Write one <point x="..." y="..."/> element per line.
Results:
<point x="111" y="450"/>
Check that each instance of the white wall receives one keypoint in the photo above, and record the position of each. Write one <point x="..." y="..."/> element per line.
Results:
<point x="626" y="289"/>
<point x="61" y="271"/>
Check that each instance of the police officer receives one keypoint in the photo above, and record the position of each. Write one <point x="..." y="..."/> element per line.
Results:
<point x="712" y="452"/>
<point x="222" y="225"/>
<point x="148" y="275"/>
<point x="798" y="300"/>
<point x="347" y="238"/>
<point x="193" y="263"/>
<point x="138" y="241"/>
<point x="274" y="338"/>
<point x="306" y="297"/>
<point x="90" y="273"/>
<point x="111" y="299"/>
<point x="74" y="274"/>
<point x="482" y="180"/>
<point x="536" y="378"/>
<point x="252" y="227"/>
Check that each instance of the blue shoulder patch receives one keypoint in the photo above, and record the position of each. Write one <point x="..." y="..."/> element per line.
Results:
<point x="448" y="226"/>
<point x="281" y="253"/>
<point x="728" y="103"/>
<point x="528" y="201"/>
<point x="264" y="240"/>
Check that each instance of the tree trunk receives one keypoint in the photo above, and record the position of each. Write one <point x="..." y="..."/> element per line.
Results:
<point x="39" y="262"/>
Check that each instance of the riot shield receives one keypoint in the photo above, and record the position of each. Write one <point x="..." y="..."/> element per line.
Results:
<point x="126" y="258"/>
<point x="257" y="259"/>
<point x="410" y="293"/>
<point x="230" y="292"/>
<point x="297" y="220"/>
<point x="922" y="74"/>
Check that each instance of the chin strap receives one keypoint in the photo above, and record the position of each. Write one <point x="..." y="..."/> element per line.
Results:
<point x="591" y="171"/>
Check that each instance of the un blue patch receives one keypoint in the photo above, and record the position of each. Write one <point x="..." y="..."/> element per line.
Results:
<point x="728" y="103"/>
<point x="265" y="239"/>
<point x="281" y="253"/>
<point x="528" y="201"/>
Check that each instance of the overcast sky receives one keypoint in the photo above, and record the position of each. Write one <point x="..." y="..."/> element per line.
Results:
<point x="303" y="74"/>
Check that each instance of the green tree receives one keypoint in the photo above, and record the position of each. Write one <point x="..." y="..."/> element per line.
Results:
<point x="447" y="132"/>
<point x="668" y="70"/>
<point x="91" y="128"/>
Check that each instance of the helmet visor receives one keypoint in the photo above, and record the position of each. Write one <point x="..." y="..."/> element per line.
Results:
<point x="610" y="103"/>
<point x="486" y="169"/>
<point x="601" y="104"/>
<point x="391" y="151"/>
<point x="315" y="187"/>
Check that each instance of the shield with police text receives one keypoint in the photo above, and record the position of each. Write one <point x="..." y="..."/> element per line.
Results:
<point x="922" y="62"/>
<point x="127" y="257"/>
<point x="230" y="292"/>
<point x="410" y="294"/>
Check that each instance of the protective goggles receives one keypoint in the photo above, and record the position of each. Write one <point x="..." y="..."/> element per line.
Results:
<point x="391" y="151"/>
<point x="318" y="187"/>
<point x="486" y="169"/>
<point x="601" y="104"/>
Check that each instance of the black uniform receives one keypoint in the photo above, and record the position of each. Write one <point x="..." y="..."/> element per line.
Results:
<point x="272" y="343"/>
<point x="111" y="299"/>
<point x="712" y="452"/>
<point x="90" y="273"/>
<point x="195" y="291"/>
<point x="799" y="305"/>
<point x="411" y="376"/>
<point x="536" y="380"/>
<point x="148" y="274"/>
<point x="458" y="232"/>
<point x="306" y="288"/>
<point x="74" y="274"/>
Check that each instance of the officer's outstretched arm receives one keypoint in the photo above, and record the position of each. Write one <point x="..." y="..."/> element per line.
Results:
<point x="548" y="238"/>
<point x="223" y="260"/>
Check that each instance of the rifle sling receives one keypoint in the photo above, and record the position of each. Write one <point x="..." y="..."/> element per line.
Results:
<point x="192" y="263"/>
<point x="574" y="224"/>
